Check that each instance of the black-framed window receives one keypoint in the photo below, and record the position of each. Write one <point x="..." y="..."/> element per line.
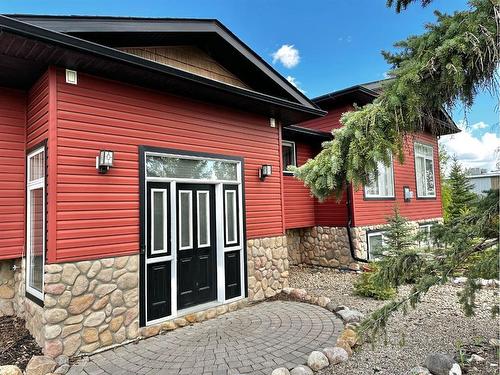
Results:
<point x="288" y="153"/>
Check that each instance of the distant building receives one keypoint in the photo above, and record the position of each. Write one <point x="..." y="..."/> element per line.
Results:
<point x="484" y="181"/>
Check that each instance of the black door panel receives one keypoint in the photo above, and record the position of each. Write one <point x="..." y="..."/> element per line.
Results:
<point x="196" y="266"/>
<point x="158" y="290"/>
<point x="232" y="274"/>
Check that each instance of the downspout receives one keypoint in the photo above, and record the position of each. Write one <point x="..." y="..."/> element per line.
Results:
<point x="349" y="226"/>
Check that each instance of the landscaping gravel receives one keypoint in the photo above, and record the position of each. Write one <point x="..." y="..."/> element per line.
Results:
<point x="438" y="325"/>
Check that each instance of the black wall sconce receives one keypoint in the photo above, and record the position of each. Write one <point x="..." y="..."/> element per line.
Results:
<point x="104" y="161"/>
<point x="265" y="171"/>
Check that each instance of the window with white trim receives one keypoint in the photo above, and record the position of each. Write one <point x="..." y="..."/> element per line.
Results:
<point x="375" y="243"/>
<point x="35" y="222"/>
<point x="288" y="155"/>
<point x="424" y="235"/>
<point x="382" y="183"/>
<point x="424" y="171"/>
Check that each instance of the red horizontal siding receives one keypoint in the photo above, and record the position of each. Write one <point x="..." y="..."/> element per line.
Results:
<point x="98" y="215"/>
<point x="12" y="167"/>
<point x="373" y="212"/>
<point x="299" y="204"/>
<point x="330" y="121"/>
<point x="38" y="112"/>
<point x="331" y="212"/>
<point x="301" y="209"/>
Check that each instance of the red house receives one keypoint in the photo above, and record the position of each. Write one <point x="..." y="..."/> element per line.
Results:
<point x="141" y="183"/>
<point x="340" y="233"/>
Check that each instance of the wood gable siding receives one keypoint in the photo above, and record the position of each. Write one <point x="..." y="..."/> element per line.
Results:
<point x="12" y="168"/>
<point x="301" y="209"/>
<point x="188" y="58"/>
<point x="98" y="215"/>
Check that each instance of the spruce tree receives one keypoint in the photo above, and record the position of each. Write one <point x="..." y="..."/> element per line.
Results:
<point x="461" y="196"/>
<point x="454" y="59"/>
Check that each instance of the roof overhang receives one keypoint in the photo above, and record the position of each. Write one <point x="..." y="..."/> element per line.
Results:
<point x="364" y="94"/>
<point x="27" y="50"/>
<point x="294" y="132"/>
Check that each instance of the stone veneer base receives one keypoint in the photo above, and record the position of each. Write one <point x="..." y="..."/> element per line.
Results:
<point x="268" y="265"/>
<point x="93" y="305"/>
<point x="329" y="246"/>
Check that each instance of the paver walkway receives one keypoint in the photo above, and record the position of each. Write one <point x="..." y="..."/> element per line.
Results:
<point x="254" y="340"/>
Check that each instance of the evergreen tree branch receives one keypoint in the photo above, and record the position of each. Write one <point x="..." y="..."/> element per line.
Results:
<point x="456" y="57"/>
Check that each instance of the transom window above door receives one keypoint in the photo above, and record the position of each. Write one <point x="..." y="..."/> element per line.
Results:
<point x="192" y="168"/>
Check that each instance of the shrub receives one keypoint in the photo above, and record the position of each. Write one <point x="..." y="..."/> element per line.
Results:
<point x="366" y="287"/>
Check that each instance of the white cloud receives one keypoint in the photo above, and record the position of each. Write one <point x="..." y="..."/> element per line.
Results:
<point x="296" y="83"/>
<point x="288" y="55"/>
<point x="479" y="125"/>
<point x="347" y="39"/>
<point x="471" y="151"/>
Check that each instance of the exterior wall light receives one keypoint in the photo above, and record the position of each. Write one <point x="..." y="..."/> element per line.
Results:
<point x="265" y="171"/>
<point x="407" y="194"/>
<point x="104" y="161"/>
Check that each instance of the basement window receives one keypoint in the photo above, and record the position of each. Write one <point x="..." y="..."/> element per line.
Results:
<point x="424" y="235"/>
<point x="375" y="243"/>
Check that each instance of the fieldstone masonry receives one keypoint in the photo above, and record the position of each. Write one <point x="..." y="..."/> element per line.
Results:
<point x="13" y="300"/>
<point x="320" y="246"/>
<point x="359" y="234"/>
<point x="329" y="246"/>
<point x="267" y="267"/>
<point x="8" y="287"/>
<point x="90" y="305"/>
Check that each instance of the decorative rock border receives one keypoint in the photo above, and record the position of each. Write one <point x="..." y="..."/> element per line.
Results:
<point x="346" y="342"/>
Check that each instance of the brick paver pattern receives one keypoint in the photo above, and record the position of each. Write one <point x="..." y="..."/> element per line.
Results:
<point x="254" y="340"/>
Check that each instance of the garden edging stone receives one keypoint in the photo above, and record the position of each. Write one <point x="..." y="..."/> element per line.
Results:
<point x="347" y="340"/>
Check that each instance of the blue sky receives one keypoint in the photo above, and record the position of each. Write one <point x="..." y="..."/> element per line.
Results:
<point x="338" y="42"/>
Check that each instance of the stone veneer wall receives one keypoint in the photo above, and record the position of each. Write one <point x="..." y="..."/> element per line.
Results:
<point x="320" y="246"/>
<point x="8" y="286"/>
<point x="329" y="246"/>
<point x="268" y="264"/>
<point x="90" y="305"/>
<point x="13" y="300"/>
